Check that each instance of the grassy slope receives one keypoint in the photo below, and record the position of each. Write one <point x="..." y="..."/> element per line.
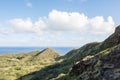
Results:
<point x="63" y="65"/>
<point x="13" y="66"/>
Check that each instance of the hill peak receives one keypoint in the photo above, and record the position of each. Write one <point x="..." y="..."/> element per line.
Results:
<point x="114" y="39"/>
<point x="47" y="53"/>
<point x="117" y="30"/>
<point x="48" y="50"/>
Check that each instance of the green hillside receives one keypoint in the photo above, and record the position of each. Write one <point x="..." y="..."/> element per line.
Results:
<point x="13" y="66"/>
<point x="93" y="61"/>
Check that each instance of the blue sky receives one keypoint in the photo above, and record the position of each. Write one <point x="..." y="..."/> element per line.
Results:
<point x="56" y="22"/>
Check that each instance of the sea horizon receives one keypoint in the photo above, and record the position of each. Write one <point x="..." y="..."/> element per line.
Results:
<point x="25" y="49"/>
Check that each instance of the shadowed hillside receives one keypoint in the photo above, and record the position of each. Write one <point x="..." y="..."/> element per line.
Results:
<point x="93" y="61"/>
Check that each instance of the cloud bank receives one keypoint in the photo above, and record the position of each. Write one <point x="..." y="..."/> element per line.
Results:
<point x="59" y="21"/>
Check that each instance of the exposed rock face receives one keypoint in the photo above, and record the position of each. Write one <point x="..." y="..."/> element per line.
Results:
<point x="103" y="66"/>
<point x="99" y="67"/>
<point x="82" y="66"/>
<point x="111" y="66"/>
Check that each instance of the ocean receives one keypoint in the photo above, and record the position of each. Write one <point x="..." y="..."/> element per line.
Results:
<point x="14" y="50"/>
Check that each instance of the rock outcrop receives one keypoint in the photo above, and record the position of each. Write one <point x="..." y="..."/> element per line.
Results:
<point x="104" y="66"/>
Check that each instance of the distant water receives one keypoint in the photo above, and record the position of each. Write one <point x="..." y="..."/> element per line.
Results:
<point x="6" y="50"/>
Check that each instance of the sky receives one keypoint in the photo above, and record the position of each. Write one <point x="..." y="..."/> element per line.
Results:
<point x="57" y="23"/>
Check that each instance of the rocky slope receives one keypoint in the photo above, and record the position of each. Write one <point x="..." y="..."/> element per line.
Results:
<point x="103" y="66"/>
<point x="93" y="61"/>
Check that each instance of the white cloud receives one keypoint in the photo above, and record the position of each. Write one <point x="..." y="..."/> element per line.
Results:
<point x="6" y="30"/>
<point x="64" y="21"/>
<point x="22" y="25"/>
<point x="58" y="21"/>
<point x="98" y="25"/>
<point x="29" y="4"/>
<point x="26" y="25"/>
